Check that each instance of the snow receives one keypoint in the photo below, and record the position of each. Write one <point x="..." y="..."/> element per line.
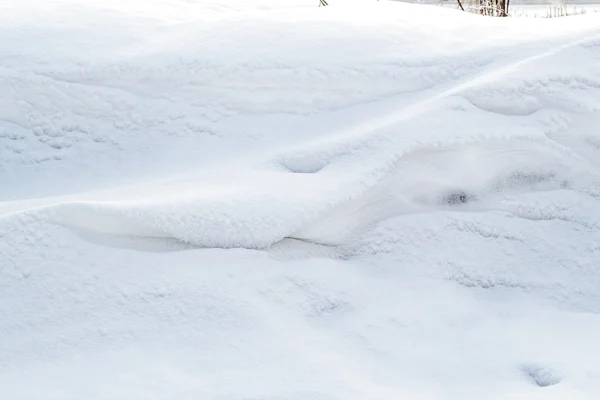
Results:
<point x="252" y="200"/>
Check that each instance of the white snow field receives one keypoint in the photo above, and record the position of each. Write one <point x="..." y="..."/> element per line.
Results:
<point x="270" y="200"/>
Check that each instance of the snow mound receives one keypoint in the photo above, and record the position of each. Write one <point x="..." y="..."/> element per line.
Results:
<point x="416" y="158"/>
<point x="327" y="210"/>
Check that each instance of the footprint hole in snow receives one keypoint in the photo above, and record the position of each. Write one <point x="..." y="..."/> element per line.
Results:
<point x="542" y="376"/>
<point x="303" y="165"/>
<point x="456" y="197"/>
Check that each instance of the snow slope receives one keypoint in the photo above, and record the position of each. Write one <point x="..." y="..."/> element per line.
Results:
<point x="249" y="200"/>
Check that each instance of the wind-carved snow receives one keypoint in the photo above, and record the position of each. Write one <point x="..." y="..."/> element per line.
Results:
<point x="237" y="199"/>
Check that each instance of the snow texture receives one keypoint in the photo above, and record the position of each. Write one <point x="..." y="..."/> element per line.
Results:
<point x="251" y="200"/>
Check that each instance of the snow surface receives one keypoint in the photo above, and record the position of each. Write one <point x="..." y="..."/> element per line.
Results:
<point x="273" y="200"/>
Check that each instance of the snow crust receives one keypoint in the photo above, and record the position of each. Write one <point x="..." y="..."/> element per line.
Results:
<point x="254" y="200"/>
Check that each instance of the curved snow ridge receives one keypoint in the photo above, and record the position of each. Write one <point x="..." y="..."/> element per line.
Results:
<point x="330" y="208"/>
<point x="420" y="158"/>
<point x="520" y="88"/>
<point x="473" y="177"/>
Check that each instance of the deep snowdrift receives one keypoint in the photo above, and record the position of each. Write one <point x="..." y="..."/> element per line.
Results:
<point x="234" y="199"/>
